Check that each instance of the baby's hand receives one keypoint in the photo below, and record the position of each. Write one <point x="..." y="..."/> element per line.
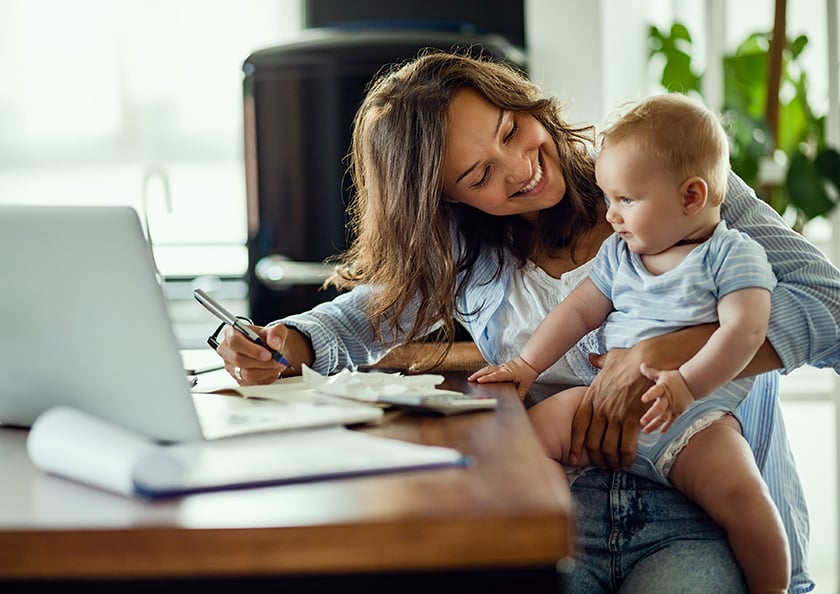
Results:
<point x="516" y="370"/>
<point x="670" y="396"/>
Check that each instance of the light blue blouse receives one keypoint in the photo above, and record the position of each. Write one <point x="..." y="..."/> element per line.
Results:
<point x="804" y="329"/>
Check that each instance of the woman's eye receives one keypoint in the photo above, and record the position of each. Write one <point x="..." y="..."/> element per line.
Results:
<point x="483" y="179"/>
<point x="512" y="132"/>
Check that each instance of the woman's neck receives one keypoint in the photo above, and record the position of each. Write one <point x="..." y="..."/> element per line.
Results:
<point x="586" y="247"/>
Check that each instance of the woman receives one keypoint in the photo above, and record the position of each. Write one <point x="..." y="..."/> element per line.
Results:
<point x="475" y="201"/>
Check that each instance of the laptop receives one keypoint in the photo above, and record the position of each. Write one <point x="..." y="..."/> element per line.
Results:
<point x="84" y="324"/>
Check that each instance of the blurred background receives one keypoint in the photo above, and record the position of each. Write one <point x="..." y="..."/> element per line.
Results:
<point x="224" y="123"/>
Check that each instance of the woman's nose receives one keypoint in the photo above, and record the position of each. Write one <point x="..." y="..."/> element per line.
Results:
<point x="521" y="169"/>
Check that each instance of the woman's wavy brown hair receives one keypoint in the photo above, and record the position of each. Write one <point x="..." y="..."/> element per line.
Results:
<point x="400" y="217"/>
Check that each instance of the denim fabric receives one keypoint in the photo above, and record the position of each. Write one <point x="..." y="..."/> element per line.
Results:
<point x="764" y="429"/>
<point x="657" y="540"/>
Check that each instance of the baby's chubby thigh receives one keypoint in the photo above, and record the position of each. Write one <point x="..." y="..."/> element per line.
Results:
<point x="551" y="419"/>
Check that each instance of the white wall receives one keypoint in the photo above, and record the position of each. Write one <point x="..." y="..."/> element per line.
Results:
<point x="594" y="52"/>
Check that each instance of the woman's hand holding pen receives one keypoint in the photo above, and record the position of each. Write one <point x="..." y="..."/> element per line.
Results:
<point x="249" y="363"/>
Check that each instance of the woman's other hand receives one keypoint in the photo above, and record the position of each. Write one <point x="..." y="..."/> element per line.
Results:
<point x="607" y="422"/>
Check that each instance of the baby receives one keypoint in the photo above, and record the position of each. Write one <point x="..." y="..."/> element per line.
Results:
<point x="673" y="263"/>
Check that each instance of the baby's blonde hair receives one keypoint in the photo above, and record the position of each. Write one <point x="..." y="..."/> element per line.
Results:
<point x="684" y="135"/>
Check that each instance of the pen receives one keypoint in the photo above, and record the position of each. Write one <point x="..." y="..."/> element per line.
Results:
<point x="228" y="318"/>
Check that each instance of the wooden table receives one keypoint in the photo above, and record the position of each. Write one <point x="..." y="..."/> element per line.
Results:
<point x="503" y="523"/>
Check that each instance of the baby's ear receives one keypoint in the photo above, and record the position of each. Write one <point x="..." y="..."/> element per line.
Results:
<point x="695" y="192"/>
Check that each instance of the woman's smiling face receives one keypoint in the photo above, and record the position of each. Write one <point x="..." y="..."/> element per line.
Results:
<point x="500" y="162"/>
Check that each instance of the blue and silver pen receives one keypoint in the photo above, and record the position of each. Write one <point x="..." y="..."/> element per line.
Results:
<point x="231" y="320"/>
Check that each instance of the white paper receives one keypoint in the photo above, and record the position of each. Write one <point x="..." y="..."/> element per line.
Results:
<point x="288" y="389"/>
<point x="346" y="384"/>
<point x="370" y="386"/>
<point x="310" y="454"/>
<point x="77" y="445"/>
<point x="223" y="416"/>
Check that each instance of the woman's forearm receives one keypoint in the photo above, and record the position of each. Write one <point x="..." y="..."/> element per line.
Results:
<point x="805" y="316"/>
<point x="669" y="351"/>
<point x="766" y="359"/>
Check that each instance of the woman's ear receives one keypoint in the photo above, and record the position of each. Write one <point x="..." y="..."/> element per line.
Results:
<point x="695" y="192"/>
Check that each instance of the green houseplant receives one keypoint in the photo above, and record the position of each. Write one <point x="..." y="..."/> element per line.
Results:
<point x="810" y="180"/>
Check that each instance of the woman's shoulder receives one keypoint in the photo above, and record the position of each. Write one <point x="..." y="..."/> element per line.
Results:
<point x="743" y="209"/>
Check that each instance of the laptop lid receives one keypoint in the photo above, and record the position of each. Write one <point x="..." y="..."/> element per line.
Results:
<point x="85" y="324"/>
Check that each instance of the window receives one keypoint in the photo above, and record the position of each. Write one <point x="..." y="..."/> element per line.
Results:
<point x="136" y="102"/>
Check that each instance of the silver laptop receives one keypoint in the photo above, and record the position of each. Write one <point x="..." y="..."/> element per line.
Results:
<point x="84" y="323"/>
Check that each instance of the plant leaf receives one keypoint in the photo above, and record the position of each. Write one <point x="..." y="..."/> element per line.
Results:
<point x="806" y="187"/>
<point x="677" y="75"/>
<point x="745" y="83"/>
<point x="828" y="166"/>
<point x="756" y="43"/>
<point x="656" y="41"/>
<point x="680" y="31"/>
<point x="797" y="45"/>
<point x="675" y="48"/>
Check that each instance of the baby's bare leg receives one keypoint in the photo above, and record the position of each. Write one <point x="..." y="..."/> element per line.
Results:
<point x="716" y="469"/>
<point x="552" y="421"/>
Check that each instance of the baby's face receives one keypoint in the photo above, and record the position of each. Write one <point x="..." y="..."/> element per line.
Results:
<point x="644" y="200"/>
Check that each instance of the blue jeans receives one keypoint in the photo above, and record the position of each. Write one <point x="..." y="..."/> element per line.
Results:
<point x="638" y="536"/>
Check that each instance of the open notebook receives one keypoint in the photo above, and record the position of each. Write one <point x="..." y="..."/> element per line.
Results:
<point x="85" y="325"/>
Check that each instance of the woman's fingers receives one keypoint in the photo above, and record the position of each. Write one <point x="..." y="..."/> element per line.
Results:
<point x="247" y="362"/>
<point x="653" y="393"/>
